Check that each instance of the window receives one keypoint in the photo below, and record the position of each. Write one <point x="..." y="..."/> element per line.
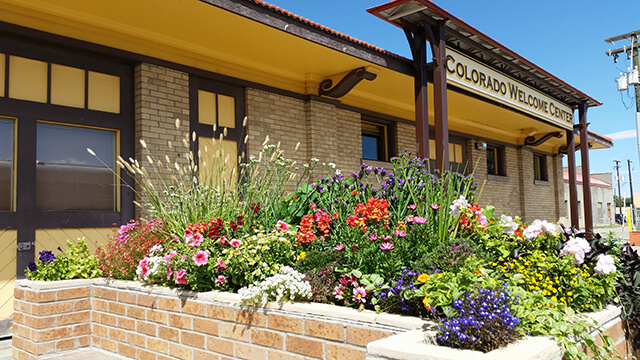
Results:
<point x="375" y="144"/>
<point x="495" y="160"/>
<point x="6" y="164"/>
<point x="600" y="212"/>
<point x="540" y="167"/>
<point x="67" y="176"/>
<point x="456" y="156"/>
<point x="609" y="210"/>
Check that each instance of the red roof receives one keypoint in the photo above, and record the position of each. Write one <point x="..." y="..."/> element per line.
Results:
<point x="326" y="29"/>
<point x="594" y="182"/>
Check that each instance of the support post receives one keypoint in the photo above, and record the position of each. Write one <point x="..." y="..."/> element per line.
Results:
<point x="573" y="185"/>
<point x="586" y="174"/>
<point x="418" y="45"/>
<point x="441" y="119"/>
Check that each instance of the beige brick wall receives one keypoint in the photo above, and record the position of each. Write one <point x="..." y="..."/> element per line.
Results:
<point x="161" y="97"/>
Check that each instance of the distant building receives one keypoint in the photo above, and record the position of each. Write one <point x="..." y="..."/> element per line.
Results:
<point x="601" y="196"/>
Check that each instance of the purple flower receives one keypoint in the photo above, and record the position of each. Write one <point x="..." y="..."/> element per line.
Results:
<point x="434" y="206"/>
<point x="46" y="256"/>
<point x="32" y="266"/>
<point x="386" y="246"/>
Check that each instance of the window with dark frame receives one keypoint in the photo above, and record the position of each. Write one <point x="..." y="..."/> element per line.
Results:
<point x="540" y="168"/>
<point x="6" y="163"/>
<point x="375" y="141"/>
<point x="495" y="160"/>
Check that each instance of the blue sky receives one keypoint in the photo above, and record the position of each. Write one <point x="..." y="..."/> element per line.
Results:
<point x="564" y="37"/>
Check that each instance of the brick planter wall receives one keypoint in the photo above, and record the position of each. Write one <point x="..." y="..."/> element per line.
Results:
<point x="144" y="322"/>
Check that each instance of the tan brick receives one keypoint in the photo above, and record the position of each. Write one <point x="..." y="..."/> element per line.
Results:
<point x="285" y="323"/>
<point x="220" y="345"/>
<point x="107" y="294"/>
<point x="126" y="323"/>
<point x="52" y="334"/>
<point x="181" y="321"/>
<point x="82" y="329"/>
<point x="107" y="319"/>
<point x="135" y="312"/>
<point x="250" y="317"/>
<point x="52" y="308"/>
<point x="84" y="340"/>
<point x="81" y="292"/>
<point x="117" y="308"/>
<point x="109" y="345"/>
<point x="250" y="352"/>
<point x="157" y="316"/>
<point x="146" y="328"/>
<point x="146" y="300"/>
<point x="362" y="336"/>
<point x="117" y="334"/>
<point x="18" y="318"/>
<point x="157" y="345"/>
<point x="145" y="355"/>
<point x="194" y="308"/>
<point x="100" y="330"/>
<point x="180" y="351"/>
<point x="324" y="330"/>
<point x="339" y="352"/>
<point x="73" y="318"/>
<point x="267" y="338"/>
<point x="617" y="331"/>
<point x="206" y="326"/>
<point x="304" y="346"/>
<point x="169" y="333"/>
<point x="40" y="296"/>
<point x="234" y="331"/>
<point x="136" y="339"/>
<point x="100" y="305"/>
<point x="65" y="344"/>
<point x="169" y="304"/>
<point x="83" y="304"/>
<point x="204" y="355"/>
<point x="192" y="339"/>
<point x="221" y="312"/>
<point x="18" y="293"/>
<point x="280" y="355"/>
<point x="39" y="322"/>
<point x="127" y="350"/>
<point x="126" y="297"/>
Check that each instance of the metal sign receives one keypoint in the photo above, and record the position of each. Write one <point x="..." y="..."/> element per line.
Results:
<point x="482" y="80"/>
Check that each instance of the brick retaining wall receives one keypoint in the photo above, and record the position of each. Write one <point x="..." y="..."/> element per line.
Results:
<point x="144" y="322"/>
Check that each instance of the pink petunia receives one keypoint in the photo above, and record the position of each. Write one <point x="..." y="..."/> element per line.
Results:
<point x="221" y="265"/>
<point x="193" y="240"/>
<point x="235" y="242"/>
<point x="386" y="246"/>
<point x="167" y="257"/>
<point x="221" y="280"/>
<point x="201" y="257"/>
<point x="169" y="272"/>
<point x="180" y="276"/>
<point x="359" y="294"/>
<point x="282" y="226"/>
<point x="339" y="247"/>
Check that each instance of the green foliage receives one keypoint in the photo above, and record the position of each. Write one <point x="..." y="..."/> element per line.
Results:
<point x="74" y="263"/>
<point x="450" y="255"/>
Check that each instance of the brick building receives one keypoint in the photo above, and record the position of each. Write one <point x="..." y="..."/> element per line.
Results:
<point x="98" y="74"/>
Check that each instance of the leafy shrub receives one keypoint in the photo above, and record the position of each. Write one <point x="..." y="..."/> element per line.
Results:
<point x="120" y="257"/>
<point x="74" y="263"/>
<point x="483" y="321"/>
<point x="451" y="255"/>
<point x="323" y="281"/>
<point x="286" y="285"/>
<point x="399" y="297"/>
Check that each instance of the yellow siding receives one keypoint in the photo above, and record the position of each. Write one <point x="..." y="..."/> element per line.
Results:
<point x="28" y="79"/>
<point x="8" y="248"/>
<point x="67" y="86"/>
<point x="104" y="92"/>
<point x="51" y="239"/>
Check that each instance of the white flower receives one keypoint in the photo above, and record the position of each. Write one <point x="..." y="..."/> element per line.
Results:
<point x="287" y="284"/>
<point x="605" y="265"/>
<point x="458" y="204"/>
<point x="332" y="166"/>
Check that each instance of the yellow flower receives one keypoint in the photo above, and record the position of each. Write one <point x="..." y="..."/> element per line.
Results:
<point x="423" y="278"/>
<point x="427" y="306"/>
<point x="302" y="255"/>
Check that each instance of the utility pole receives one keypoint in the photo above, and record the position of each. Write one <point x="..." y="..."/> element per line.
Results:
<point x="633" y="36"/>
<point x="619" y="192"/>
<point x="633" y="206"/>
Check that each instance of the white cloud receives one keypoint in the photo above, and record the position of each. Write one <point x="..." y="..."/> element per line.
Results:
<point x="625" y="134"/>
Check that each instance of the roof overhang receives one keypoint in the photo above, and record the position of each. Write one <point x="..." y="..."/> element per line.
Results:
<point x="466" y="39"/>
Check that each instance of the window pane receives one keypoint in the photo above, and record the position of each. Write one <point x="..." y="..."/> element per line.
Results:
<point x="67" y="86"/>
<point x="28" y="79"/>
<point x="226" y="111"/>
<point x="104" y="92"/>
<point x="67" y="176"/>
<point x="6" y="164"/>
<point x="491" y="161"/>
<point x="206" y="107"/>
<point x="370" y="147"/>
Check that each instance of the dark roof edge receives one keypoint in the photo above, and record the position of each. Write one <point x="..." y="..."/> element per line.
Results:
<point x="450" y="17"/>
<point x="288" y="22"/>
<point x="600" y="139"/>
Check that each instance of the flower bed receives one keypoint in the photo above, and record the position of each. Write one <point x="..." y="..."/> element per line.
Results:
<point x="142" y="322"/>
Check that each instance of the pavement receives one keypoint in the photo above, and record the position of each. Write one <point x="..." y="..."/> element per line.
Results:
<point x="621" y="232"/>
